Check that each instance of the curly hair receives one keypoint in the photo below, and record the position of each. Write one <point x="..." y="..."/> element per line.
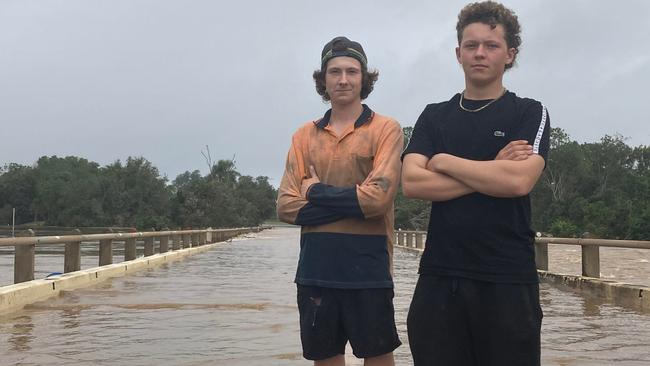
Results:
<point x="492" y="14"/>
<point x="368" y="79"/>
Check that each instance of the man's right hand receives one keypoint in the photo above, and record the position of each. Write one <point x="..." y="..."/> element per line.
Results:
<point x="515" y="150"/>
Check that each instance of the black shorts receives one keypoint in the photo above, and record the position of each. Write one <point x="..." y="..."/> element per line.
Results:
<point x="463" y="322"/>
<point x="329" y="318"/>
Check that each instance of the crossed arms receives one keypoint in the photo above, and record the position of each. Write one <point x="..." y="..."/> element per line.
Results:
<point x="304" y="200"/>
<point x="513" y="173"/>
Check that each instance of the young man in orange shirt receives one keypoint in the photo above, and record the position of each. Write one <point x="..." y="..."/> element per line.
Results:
<point x="339" y="184"/>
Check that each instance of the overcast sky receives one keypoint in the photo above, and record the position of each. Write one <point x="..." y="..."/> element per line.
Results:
<point x="161" y="79"/>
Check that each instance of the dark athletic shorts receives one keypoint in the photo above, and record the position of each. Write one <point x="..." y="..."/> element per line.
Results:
<point x="463" y="322"/>
<point x="329" y="318"/>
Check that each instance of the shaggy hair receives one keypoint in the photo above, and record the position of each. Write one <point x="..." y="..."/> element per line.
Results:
<point x="368" y="79"/>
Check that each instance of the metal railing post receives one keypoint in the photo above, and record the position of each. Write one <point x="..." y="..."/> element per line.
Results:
<point x="591" y="261"/>
<point x="419" y="240"/>
<point x="129" y="249"/>
<point x="24" y="261"/>
<point x="541" y="256"/>
<point x="148" y="246"/>
<point x="187" y="240"/>
<point x="164" y="244"/>
<point x="177" y="242"/>
<point x="72" y="260"/>
<point x="105" y="252"/>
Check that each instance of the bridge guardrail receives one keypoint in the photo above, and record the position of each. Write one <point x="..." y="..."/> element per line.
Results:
<point x="590" y="248"/>
<point x="25" y="247"/>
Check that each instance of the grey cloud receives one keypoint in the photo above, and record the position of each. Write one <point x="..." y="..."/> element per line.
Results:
<point x="161" y="79"/>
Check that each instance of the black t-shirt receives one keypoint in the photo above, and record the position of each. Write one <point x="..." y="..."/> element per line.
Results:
<point x="478" y="236"/>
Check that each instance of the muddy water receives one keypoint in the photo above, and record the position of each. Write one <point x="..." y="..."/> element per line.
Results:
<point x="235" y="305"/>
<point x="620" y="264"/>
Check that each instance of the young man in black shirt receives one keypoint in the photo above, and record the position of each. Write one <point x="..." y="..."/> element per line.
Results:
<point x="477" y="157"/>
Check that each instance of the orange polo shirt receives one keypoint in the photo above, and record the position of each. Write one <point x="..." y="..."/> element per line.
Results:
<point x="347" y="219"/>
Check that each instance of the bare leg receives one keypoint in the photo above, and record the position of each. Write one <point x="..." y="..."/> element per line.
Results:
<point x="383" y="360"/>
<point x="338" y="360"/>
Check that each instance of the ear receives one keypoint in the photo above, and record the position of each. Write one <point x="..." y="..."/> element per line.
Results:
<point x="458" y="54"/>
<point x="511" y="56"/>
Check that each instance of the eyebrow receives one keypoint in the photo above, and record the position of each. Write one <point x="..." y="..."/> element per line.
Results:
<point x="483" y="41"/>
<point x="344" y="68"/>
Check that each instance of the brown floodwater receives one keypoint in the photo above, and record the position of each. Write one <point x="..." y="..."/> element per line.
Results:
<point x="235" y="305"/>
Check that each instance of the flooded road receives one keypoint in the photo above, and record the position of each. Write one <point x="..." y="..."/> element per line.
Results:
<point x="235" y="305"/>
<point x="620" y="264"/>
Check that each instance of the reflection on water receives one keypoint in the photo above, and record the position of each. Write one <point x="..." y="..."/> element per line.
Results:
<point x="235" y="305"/>
<point x="76" y="308"/>
<point x="21" y="334"/>
<point x="588" y="331"/>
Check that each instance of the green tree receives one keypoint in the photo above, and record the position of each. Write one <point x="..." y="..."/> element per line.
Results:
<point x="17" y="190"/>
<point x="135" y="194"/>
<point x="598" y="187"/>
<point x="410" y="214"/>
<point x="67" y="191"/>
<point x="408" y="132"/>
<point x="563" y="228"/>
<point x="223" y="198"/>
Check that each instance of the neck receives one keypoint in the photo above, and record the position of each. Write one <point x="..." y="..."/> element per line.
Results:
<point x="345" y="114"/>
<point x="481" y="92"/>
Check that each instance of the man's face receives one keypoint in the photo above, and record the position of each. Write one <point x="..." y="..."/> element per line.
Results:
<point x="343" y="80"/>
<point x="483" y="53"/>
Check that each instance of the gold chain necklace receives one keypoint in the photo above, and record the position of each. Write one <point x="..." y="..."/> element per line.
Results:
<point x="460" y="102"/>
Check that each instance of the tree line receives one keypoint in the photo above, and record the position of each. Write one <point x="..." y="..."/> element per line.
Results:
<point x="600" y="188"/>
<point x="75" y="192"/>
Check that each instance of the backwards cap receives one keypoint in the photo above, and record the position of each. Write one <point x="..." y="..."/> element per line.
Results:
<point x="341" y="46"/>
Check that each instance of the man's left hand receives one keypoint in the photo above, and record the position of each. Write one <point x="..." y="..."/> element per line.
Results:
<point x="437" y="162"/>
<point x="307" y="182"/>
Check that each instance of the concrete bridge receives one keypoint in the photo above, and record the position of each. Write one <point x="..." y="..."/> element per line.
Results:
<point x="233" y="303"/>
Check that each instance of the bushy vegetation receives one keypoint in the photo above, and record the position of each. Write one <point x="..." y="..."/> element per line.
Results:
<point x="601" y="188"/>
<point x="73" y="191"/>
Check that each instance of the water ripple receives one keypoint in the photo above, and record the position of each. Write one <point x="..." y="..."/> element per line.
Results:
<point x="235" y="305"/>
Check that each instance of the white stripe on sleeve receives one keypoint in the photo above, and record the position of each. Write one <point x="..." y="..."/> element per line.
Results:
<point x="540" y="131"/>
